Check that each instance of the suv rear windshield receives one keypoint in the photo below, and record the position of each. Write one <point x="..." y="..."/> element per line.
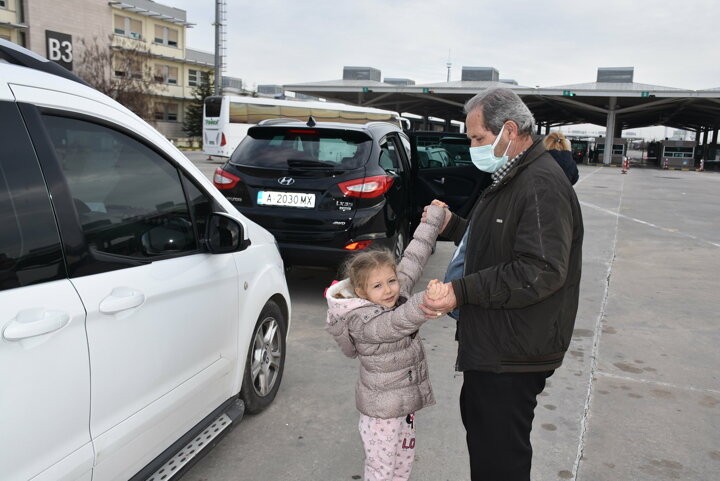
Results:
<point x="303" y="148"/>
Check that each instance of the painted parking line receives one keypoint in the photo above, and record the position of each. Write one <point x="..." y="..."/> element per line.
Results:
<point x="584" y="177"/>
<point x="649" y="224"/>
<point x="653" y="382"/>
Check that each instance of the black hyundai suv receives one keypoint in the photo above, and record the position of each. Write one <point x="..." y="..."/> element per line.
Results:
<point x="325" y="190"/>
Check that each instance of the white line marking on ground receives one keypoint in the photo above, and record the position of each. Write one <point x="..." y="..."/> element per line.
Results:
<point x="656" y="383"/>
<point x="649" y="224"/>
<point x="590" y="174"/>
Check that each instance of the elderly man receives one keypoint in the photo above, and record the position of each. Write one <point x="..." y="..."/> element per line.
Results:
<point x="516" y="285"/>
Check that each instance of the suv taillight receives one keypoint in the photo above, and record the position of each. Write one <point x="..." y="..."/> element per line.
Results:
<point x="225" y="180"/>
<point x="366" y="187"/>
<point x="223" y="141"/>
<point x="358" y="245"/>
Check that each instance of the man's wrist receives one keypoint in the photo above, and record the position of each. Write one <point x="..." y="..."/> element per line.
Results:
<point x="457" y="287"/>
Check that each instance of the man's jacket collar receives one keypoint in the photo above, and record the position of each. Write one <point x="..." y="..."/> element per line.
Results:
<point x="531" y="154"/>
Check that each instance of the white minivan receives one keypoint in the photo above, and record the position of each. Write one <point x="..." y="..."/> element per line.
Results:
<point x="140" y="313"/>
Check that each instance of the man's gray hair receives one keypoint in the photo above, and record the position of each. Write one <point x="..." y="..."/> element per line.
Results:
<point x="500" y="105"/>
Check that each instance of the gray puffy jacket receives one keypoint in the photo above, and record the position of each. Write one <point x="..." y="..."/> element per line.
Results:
<point x="394" y="379"/>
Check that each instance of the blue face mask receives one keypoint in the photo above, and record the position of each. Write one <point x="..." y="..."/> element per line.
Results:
<point x="484" y="156"/>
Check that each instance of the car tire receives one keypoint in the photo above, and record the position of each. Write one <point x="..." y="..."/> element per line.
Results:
<point x="265" y="360"/>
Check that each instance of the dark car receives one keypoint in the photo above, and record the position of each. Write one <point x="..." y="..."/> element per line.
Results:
<point x="325" y="190"/>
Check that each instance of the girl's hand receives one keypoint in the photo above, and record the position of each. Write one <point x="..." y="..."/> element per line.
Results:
<point x="448" y="214"/>
<point x="435" y="291"/>
<point x="439" y="298"/>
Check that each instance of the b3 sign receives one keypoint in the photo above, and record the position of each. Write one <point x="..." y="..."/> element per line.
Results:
<point x="59" y="48"/>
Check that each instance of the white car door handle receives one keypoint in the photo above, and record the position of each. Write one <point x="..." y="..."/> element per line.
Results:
<point x="35" y="322"/>
<point x="441" y="180"/>
<point x="121" y="299"/>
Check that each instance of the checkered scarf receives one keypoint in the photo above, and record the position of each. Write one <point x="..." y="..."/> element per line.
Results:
<point x="498" y="175"/>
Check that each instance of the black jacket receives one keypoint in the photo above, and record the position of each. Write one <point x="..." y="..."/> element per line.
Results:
<point x="519" y="294"/>
<point x="565" y="159"/>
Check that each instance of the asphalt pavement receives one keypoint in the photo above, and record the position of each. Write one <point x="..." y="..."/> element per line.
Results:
<point x="637" y="397"/>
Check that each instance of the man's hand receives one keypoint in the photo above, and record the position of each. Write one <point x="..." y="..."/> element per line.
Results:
<point x="448" y="214"/>
<point x="439" y="298"/>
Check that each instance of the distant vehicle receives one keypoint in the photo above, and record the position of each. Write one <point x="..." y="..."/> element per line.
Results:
<point x="580" y="150"/>
<point x="431" y="157"/>
<point x="458" y="147"/>
<point x="140" y="313"/>
<point x="226" y="119"/>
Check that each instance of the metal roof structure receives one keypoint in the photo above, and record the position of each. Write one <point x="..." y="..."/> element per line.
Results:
<point x="629" y="104"/>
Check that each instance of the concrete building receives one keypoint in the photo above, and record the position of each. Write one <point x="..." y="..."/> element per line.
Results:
<point x="59" y="30"/>
<point x="12" y="24"/>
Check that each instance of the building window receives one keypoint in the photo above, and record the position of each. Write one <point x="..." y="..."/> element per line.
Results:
<point x="166" y="112"/>
<point x="127" y="68"/>
<point x="120" y="72"/>
<point x="3" y="4"/>
<point x="166" y="74"/>
<point x="166" y="36"/>
<point x="128" y="27"/>
<point x="198" y="77"/>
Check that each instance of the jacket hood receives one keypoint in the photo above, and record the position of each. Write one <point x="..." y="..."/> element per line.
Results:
<point x="341" y="300"/>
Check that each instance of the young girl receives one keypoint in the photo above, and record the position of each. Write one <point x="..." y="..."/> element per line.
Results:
<point x="373" y="316"/>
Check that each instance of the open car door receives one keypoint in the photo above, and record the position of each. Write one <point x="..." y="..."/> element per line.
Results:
<point x="444" y="171"/>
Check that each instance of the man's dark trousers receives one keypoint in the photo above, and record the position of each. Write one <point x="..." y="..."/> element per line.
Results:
<point x="497" y="411"/>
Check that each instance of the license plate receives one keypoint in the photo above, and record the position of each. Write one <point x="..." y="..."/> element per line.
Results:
<point x="286" y="199"/>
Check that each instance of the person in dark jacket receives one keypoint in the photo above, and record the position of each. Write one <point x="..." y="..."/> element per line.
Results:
<point x="559" y="148"/>
<point x="519" y="285"/>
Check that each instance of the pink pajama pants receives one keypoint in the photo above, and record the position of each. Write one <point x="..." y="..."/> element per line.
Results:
<point x="389" y="447"/>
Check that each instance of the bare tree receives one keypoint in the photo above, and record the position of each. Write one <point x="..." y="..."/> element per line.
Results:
<point x="122" y="71"/>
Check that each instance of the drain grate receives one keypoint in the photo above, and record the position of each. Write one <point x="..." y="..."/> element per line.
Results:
<point x="169" y="469"/>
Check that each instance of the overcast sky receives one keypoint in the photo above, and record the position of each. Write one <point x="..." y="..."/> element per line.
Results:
<point x="673" y="43"/>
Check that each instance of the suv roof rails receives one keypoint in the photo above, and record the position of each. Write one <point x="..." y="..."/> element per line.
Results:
<point x="17" y="55"/>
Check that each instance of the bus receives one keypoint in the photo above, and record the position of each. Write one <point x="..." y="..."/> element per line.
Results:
<point x="227" y="118"/>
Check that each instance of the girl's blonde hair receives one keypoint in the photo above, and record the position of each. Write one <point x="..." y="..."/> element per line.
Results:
<point x="359" y="266"/>
<point x="556" y="141"/>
